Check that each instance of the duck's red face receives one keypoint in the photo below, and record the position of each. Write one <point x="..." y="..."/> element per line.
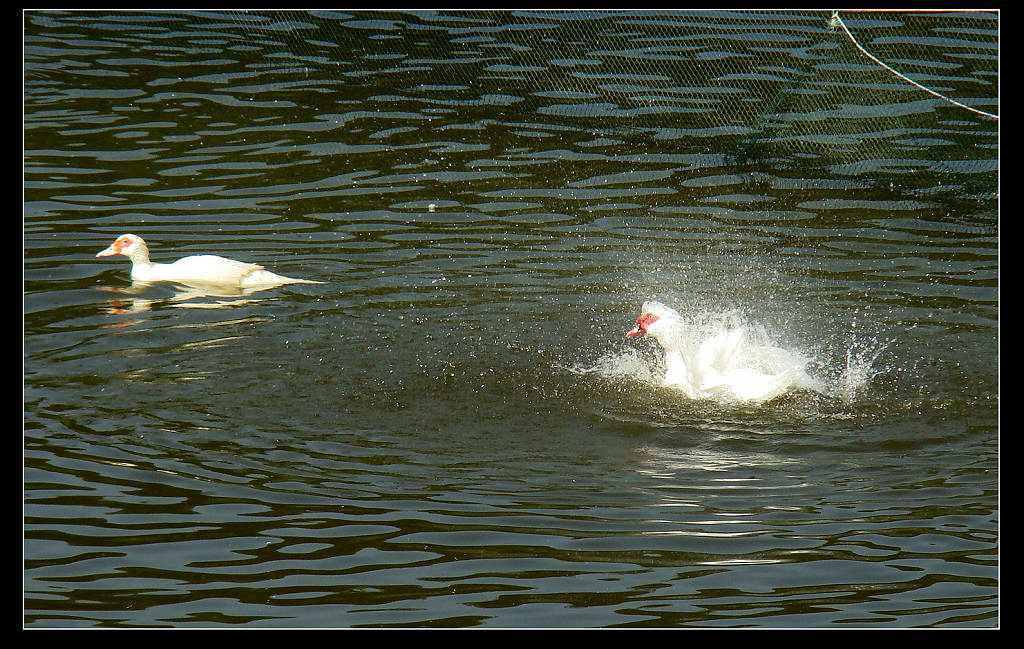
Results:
<point x="118" y="247"/>
<point x="644" y="321"/>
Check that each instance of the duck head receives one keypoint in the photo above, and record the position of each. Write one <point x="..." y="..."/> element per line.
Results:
<point x="129" y="245"/>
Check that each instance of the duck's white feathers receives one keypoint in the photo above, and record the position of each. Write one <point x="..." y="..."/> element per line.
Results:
<point x="211" y="269"/>
<point x="725" y="363"/>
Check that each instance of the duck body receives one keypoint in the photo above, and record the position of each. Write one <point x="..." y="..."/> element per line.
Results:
<point x="727" y="363"/>
<point x="209" y="269"/>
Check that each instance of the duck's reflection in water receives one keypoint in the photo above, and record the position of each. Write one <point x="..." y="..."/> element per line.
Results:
<point x="141" y="297"/>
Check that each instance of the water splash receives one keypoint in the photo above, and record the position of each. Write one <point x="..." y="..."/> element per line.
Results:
<point x="718" y="356"/>
<point x="860" y="368"/>
<point x="621" y="364"/>
<point x="840" y="374"/>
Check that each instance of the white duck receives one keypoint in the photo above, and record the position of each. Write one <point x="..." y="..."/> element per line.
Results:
<point x="207" y="269"/>
<point x="723" y="365"/>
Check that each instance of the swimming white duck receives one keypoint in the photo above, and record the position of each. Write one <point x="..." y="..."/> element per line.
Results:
<point x="724" y="364"/>
<point x="198" y="268"/>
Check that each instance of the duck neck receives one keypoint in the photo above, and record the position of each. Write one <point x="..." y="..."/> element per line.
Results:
<point x="139" y="256"/>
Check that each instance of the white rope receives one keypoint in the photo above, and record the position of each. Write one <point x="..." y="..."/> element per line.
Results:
<point x="837" y="21"/>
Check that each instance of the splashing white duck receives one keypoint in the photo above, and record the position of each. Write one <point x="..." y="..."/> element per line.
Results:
<point x="198" y="268"/>
<point x="723" y="364"/>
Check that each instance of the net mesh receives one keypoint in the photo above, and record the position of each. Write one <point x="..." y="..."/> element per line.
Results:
<point x="781" y="84"/>
<point x="770" y="89"/>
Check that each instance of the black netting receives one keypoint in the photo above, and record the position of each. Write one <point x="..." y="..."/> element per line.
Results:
<point x="780" y="91"/>
<point x="787" y="85"/>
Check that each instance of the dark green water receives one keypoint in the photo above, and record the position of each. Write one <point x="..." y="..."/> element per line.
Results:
<point x="452" y="430"/>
